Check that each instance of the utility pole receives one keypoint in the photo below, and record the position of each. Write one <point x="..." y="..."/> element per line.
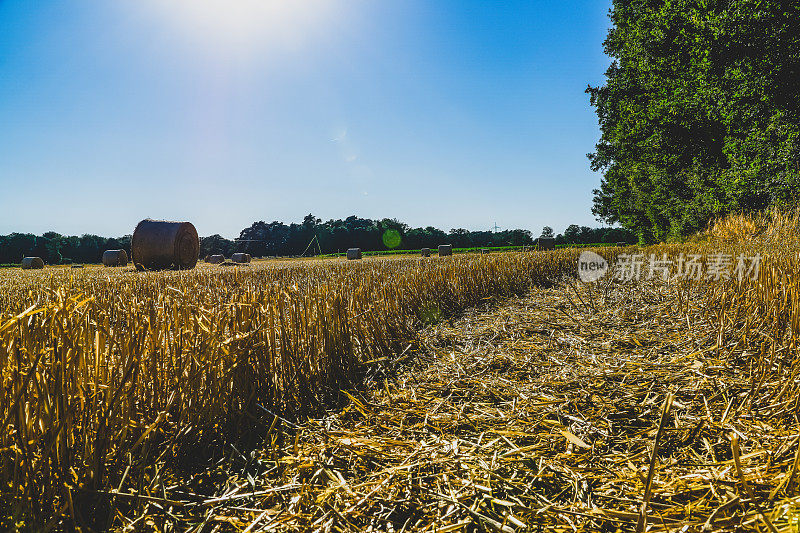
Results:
<point x="496" y="227"/>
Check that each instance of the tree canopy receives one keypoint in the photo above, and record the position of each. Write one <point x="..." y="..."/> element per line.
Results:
<point x="54" y="248"/>
<point x="316" y="236"/>
<point x="699" y="113"/>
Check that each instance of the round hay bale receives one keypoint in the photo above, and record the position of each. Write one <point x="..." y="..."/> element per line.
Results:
<point x="445" y="250"/>
<point x="32" y="263"/>
<point x="241" y="258"/>
<point x="217" y="259"/>
<point x="115" y="258"/>
<point x="354" y="253"/>
<point x="425" y="252"/>
<point x="160" y="244"/>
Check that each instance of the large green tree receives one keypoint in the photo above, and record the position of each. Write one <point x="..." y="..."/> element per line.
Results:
<point x="699" y="113"/>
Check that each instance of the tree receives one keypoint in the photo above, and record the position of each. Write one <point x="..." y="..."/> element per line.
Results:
<point x="53" y="244"/>
<point x="547" y="232"/>
<point x="216" y="245"/>
<point x="310" y="221"/>
<point x="571" y="234"/>
<point x="699" y="115"/>
<point x="460" y="238"/>
<point x="518" y="237"/>
<point x="17" y="246"/>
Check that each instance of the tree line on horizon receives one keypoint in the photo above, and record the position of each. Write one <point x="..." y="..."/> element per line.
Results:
<point x="311" y="237"/>
<point x="699" y="114"/>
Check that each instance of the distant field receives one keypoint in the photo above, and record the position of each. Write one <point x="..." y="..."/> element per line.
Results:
<point x="475" y="249"/>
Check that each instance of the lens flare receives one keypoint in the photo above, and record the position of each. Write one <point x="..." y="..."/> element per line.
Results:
<point x="392" y="238"/>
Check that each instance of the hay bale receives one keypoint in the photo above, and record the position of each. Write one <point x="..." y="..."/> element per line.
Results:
<point x="425" y="252"/>
<point x="547" y="243"/>
<point x="160" y="244"/>
<point x="115" y="258"/>
<point x="445" y="250"/>
<point x="32" y="263"/>
<point x="241" y="258"/>
<point x="217" y="259"/>
<point x="354" y="253"/>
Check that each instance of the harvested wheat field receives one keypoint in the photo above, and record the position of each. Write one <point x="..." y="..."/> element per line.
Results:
<point x="476" y="392"/>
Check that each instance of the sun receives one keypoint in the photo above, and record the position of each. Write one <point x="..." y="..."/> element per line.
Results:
<point x="245" y="25"/>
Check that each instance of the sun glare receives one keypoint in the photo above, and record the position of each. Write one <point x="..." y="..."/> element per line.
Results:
<point x="226" y="26"/>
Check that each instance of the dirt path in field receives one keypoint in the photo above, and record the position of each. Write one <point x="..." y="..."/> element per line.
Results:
<point x="536" y="412"/>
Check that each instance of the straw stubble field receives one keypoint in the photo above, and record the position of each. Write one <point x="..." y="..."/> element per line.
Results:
<point x="472" y="392"/>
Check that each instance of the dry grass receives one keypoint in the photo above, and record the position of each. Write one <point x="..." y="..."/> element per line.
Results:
<point x="107" y="373"/>
<point x="210" y="400"/>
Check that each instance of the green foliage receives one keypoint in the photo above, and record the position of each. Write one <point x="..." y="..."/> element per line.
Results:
<point x="334" y="236"/>
<point x="575" y="235"/>
<point x="53" y="248"/>
<point x="217" y="244"/>
<point x="699" y="113"/>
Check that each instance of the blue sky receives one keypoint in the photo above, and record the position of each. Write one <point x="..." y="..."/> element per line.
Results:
<point x="443" y="113"/>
